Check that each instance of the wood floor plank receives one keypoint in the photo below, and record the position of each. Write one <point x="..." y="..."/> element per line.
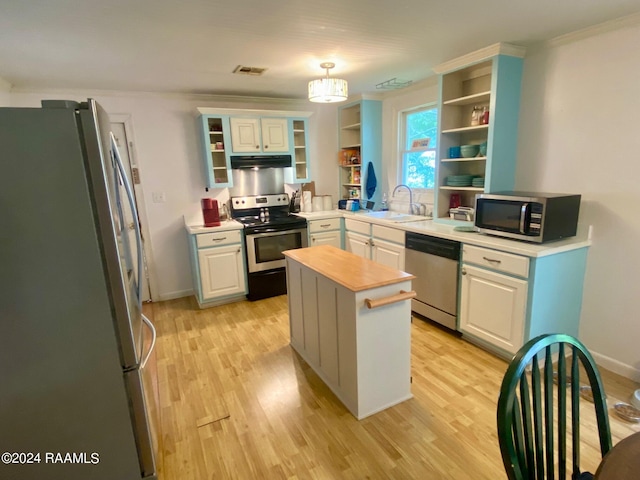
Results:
<point x="238" y="403"/>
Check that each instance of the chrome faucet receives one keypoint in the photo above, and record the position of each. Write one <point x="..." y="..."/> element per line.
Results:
<point x="411" y="204"/>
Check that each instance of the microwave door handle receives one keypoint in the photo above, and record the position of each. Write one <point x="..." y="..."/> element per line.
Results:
<point x="523" y="216"/>
<point x="134" y="211"/>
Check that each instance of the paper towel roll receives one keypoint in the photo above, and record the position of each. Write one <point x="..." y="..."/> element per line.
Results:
<point x="327" y="202"/>
<point x="317" y="204"/>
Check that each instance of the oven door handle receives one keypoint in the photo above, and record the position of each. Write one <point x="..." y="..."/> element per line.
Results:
<point x="273" y="231"/>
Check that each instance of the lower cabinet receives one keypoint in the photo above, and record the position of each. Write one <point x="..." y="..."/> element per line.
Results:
<point x="387" y="246"/>
<point x="325" y="232"/>
<point x="508" y="299"/>
<point x="381" y="244"/>
<point x="218" y="267"/>
<point x="493" y="307"/>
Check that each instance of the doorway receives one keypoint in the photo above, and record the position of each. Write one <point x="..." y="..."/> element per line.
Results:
<point x="123" y="133"/>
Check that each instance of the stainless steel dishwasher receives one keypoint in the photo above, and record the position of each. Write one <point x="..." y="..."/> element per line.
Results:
<point x="435" y="262"/>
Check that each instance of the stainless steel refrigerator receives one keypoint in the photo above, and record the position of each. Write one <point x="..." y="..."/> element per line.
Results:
<point x="75" y="402"/>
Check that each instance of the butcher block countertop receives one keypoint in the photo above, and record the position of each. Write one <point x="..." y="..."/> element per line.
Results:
<point x="345" y="268"/>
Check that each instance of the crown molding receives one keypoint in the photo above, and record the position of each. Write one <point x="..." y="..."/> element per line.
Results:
<point x="632" y="20"/>
<point x="479" y="56"/>
<point x="165" y="95"/>
<point x="252" y="112"/>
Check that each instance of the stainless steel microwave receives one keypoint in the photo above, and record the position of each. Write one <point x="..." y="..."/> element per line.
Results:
<point x="528" y="216"/>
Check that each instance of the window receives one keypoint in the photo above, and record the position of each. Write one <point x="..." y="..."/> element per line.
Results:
<point x="420" y="132"/>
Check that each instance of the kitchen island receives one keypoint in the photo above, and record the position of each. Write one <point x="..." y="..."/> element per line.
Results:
<point x="350" y="320"/>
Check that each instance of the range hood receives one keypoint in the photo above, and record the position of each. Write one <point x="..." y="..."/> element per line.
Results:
<point x="260" y="161"/>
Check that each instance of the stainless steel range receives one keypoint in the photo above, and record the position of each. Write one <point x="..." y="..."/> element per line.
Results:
<point x="269" y="230"/>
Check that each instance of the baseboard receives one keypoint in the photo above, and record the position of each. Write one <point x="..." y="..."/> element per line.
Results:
<point x="616" y="367"/>
<point x="173" y="295"/>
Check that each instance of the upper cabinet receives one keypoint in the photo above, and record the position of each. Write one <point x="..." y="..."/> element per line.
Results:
<point x="215" y="139"/>
<point x="299" y="139"/>
<point x="360" y="131"/>
<point x="479" y="106"/>
<point x="259" y="135"/>
<point x="227" y="132"/>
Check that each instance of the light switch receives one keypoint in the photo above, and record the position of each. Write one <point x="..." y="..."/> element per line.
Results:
<point x="159" y="197"/>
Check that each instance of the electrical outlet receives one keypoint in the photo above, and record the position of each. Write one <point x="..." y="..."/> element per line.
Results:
<point x="159" y="197"/>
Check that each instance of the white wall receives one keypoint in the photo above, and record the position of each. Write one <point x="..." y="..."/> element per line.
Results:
<point x="5" y="96"/>
<point x="169" y="158"/>
<point x="580" y="132"/>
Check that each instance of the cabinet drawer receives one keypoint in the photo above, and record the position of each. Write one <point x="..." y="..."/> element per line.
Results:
<point x="324" y="225"/>
<point x="500" y="261"/>
<point x="357" y="226"/>
<point x="218" y="238"/>
<point x="389" y="234"/>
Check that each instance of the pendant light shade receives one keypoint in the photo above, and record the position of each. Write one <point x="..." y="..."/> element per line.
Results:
<point x="326" y="90"/>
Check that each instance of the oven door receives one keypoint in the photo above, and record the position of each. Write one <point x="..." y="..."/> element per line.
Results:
<point x="264" y="250"/>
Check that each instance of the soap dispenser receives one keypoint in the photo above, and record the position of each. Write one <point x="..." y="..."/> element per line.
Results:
<point x="385" y="203"/>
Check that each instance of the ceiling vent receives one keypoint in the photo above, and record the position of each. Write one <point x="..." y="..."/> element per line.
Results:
<point x="242" y="70"/>
<point x="393" y="84"/>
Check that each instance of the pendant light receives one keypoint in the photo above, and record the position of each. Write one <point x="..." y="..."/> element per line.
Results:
<point x="326" y="90"/>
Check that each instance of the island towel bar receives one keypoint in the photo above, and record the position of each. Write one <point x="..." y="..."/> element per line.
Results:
<point x="399" y="297"/>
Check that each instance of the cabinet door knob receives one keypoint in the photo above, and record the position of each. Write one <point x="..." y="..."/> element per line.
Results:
<point x="257" y="147"/>
<point x="463" y="271"/>
<point x="266" y="146"/>
<point x="238" y="251"/>
<point x="313" y="239"/>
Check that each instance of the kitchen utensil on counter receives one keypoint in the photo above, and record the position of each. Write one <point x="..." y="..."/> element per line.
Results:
<point x="294" y="205"/>
<point x="210" y="212"/>
<point x="306" y="201"/>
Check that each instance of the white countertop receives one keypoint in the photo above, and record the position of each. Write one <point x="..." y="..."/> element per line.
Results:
<point x="225" y="225"/>
<point x="442" y="230"/>
<point x="429" y="227"/>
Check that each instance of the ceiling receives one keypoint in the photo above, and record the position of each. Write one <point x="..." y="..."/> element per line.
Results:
<point x="193" y="46"/>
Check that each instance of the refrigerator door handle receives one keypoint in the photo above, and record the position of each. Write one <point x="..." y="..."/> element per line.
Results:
<point x="153" y="340"/>
<point x="134" y="211"/>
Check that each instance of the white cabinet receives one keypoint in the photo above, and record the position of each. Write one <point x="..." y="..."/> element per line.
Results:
<point x="217" y="261"/>
<point x="387" y="253"/>
<point x="325" y="232"/>
<point x="215" y="137"/>
<point x="221" y="271"/>
<point x="381" y="244"/>
<point x="358" y="244"/>
<point x="493" y="307"/>
<point x="387" y="246"/>
<point x="259" y="135"/>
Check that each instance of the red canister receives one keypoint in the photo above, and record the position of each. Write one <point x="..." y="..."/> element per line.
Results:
<point x="210" y="212"/>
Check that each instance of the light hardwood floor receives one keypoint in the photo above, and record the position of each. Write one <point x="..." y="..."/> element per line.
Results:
<point x="237" y="402"/>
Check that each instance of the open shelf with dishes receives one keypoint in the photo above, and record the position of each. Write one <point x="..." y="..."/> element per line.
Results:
<point x="479" y="106"/>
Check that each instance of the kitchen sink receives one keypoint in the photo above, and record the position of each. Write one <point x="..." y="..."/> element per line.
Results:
<point x="396" y="217"/>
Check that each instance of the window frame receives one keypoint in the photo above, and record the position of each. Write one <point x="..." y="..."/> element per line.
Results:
<point x="402" y="144"/>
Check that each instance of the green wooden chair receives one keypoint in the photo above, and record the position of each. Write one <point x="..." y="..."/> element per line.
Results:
<point x="527" y="430"/>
